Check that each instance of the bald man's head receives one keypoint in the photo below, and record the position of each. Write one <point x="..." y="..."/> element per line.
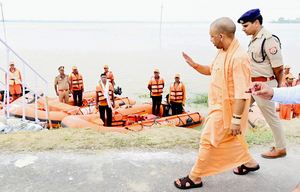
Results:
<point x="225" y="26"/>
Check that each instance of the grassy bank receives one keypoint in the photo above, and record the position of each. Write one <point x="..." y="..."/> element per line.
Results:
<point x="72" y="139"/>
<point x="263" y="135"/>
<point x="159" y="138"/>
<point x="200" y="98"/>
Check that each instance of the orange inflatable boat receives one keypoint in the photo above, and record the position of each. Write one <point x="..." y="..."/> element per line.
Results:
<point x="255" y="117"/>
<point x="133" y="118"/>
<point x="58" y="110"/>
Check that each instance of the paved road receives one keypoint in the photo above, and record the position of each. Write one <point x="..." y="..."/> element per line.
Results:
<point x="136" y="170"/>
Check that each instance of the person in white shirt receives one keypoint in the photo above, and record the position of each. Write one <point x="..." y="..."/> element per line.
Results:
<point x="284" y="95"/>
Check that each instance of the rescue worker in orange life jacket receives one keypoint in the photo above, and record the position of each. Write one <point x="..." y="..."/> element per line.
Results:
<point x="177" y="96"/>
<point x="105" y="99"/>
<point x="14" y="86"/>
<point x="109" y="75"/>
<point x="156" y="86"/>
<point x="287" y="69"/>
<point x="76" y="86"/>
<point x="285" y="110"/>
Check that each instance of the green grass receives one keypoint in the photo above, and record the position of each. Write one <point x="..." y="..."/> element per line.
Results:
<point x="162" y="137"/>
<point x="144" y="96"/>
<point x="200" y="98"/>
<point x="259" y="136"/>
<point x="263" y="135"/>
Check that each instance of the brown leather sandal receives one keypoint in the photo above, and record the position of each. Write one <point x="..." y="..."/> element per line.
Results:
<point x="247" y="169"/>
<point x="185" y="180"/>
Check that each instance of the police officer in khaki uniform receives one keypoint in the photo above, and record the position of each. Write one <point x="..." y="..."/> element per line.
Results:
<point x="266" y="66"/>
<point x="62" y="85"/>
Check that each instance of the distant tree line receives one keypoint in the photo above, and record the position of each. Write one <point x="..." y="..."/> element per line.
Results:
<point x="282" y="20"/>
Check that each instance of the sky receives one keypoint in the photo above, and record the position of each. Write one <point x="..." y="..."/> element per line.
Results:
<point x="145" y="10"/>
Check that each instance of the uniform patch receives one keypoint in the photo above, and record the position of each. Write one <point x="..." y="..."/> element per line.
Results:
<point x="273" y="50"/>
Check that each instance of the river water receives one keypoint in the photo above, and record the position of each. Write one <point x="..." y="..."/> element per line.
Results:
<point x="131" y="50"/>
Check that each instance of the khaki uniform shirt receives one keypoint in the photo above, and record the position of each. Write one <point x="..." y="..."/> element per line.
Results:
<point x="272" y="52"/>
<point x="62" y="82"/>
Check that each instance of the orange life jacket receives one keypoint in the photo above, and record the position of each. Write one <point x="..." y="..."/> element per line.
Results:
<point x="176" y="94"/>
<point x="16" y="74"/>
<point x="77" y="81"/>
<point x="100" y="93"/>
<point x="109" y="76"/>
<point x="157" y="87"/>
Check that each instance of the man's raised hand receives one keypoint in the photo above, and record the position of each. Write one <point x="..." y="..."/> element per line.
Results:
<point x="189" y="60"/>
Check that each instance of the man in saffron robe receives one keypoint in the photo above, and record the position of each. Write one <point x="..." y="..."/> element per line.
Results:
<point x="222" y="144"/>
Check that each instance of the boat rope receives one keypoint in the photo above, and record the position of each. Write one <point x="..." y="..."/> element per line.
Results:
<point x="199" y="117"/>
<point x="128" y="128"/>
<point x="180" y="120"/>
<point x="122" y="98"/>
<point x="142" y="127"/>
<point x="171" y="122"/>
<point x="191" y="118"/>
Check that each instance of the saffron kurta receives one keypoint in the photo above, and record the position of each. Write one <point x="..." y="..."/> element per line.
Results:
<point x="230" y="77"/>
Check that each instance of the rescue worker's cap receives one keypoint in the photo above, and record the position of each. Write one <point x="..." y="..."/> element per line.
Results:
<point x="250" y="15"/>
<point x="290" y="76"/>
<point x="287" y="67"/>
<point x="74" y="67"/>
<point x="177" y="75"/>
<point x="105" y="67"/>
<point x="61" y="68"/>
<point x="156" y="71"/>
<point x="11" y="63"/>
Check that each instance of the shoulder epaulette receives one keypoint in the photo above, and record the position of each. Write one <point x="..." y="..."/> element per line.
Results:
<point x="267" y="34"/>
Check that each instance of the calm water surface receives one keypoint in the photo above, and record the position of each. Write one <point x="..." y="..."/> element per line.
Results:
<point x="131" y="50"/>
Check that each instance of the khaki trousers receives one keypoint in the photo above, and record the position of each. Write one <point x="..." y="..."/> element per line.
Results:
<point x="64" y="96"/>
<point x="269" y="111"/>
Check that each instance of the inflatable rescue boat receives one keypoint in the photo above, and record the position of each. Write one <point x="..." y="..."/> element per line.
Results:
<point x="255" y="117"/>
<point x="58" y="110"/>
<point x="133" y="118"/>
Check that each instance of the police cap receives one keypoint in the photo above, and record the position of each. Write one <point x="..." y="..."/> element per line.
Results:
<point x="250" y="15"/>
<point x="61" y="68"/>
